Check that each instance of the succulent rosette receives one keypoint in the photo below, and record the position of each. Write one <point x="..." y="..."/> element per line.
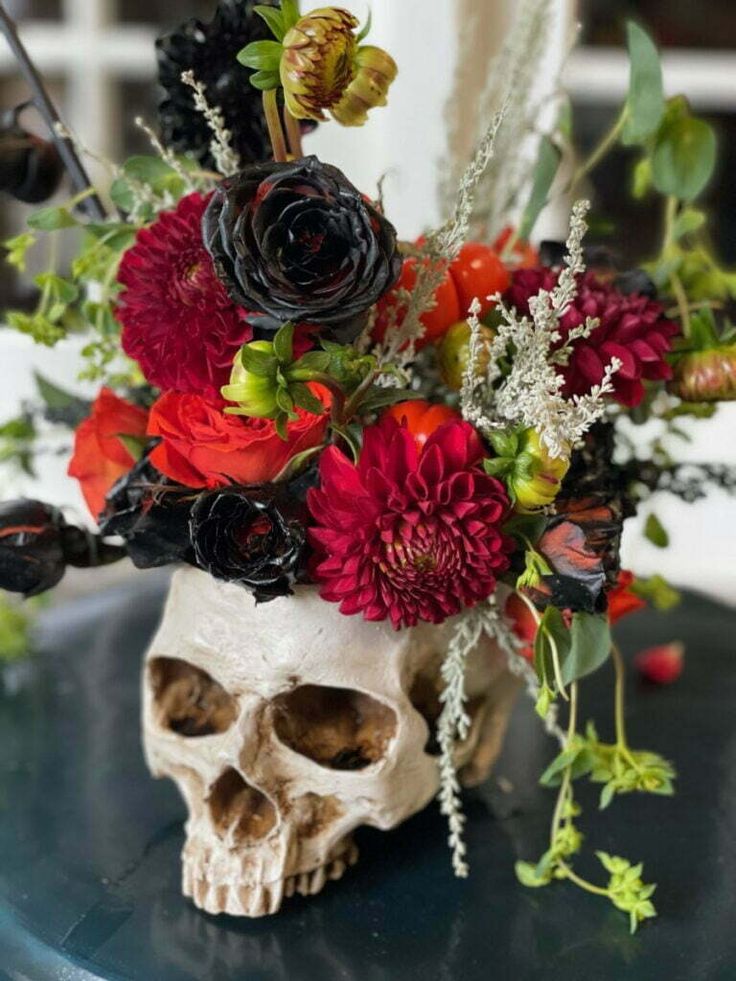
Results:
<point x="300" y="243"/>
<point x="255" y="537"/>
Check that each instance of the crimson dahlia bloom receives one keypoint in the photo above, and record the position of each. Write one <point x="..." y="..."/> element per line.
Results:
<point x="178" y="321"/>
<point x="632" y="328"/>
<point x="406" y="534"/>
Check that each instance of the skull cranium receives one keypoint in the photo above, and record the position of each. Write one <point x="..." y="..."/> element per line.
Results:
<point x="287" y="725"/>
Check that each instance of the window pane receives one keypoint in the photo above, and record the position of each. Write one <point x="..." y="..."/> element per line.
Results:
<point x="638" y="224"/>
<point x="34" y="9"/>
<point x="164" y="14"/>
<point x="674" y="23"/>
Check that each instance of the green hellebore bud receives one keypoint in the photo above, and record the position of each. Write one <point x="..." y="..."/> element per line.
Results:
<point x="254" y="393"/>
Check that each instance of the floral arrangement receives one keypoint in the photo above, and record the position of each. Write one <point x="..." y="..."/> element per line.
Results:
<point x="289" y="394"/>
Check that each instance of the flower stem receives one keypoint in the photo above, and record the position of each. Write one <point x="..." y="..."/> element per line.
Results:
<point x="293" y="133"/>
<point x="620" y="668"/>
<point x="607" y="143"/>
<point x="273" y="121"/>
<point x="583" y="883"/>
<point x="566" y="777"/>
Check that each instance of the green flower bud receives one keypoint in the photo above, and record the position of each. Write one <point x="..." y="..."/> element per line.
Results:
<point x="536" y="478"/>
<point x="254" y="392"/>
<point x="706" y="376"/>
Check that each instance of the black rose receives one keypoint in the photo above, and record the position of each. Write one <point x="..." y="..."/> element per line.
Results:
<point x="255" y="537"/>
<point x="36" y="546"/>
<point x="152" y="515"/>
<point x="299" y="242"/>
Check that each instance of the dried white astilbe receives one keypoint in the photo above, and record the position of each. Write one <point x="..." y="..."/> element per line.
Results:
<point x="404" y="325"/>
<point x="454" y="722"/>
<point x="168" y="157"/>
<point x="531" y="393"/>
<point x="226" y="159"/>
<point x="514" y="79"/>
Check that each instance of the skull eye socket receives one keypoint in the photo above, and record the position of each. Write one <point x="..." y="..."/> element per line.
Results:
<point x="188" y="700"/>
<point x="239" y="810"/>
<point x="338" y="728"/>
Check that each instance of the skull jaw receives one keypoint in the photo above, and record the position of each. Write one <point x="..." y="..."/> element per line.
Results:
<point x="271" y="806"/>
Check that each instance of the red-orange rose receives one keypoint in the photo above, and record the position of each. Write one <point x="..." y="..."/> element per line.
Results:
<point x="202" y="447"/>
<point x="621" y="600"/>
<point x="100" y="455"/>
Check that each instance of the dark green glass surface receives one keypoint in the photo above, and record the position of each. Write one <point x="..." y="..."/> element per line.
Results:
<point x="89" y="843"/>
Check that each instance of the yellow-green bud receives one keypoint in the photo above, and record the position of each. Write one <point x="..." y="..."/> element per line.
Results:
<point x="706" y="376"/>
<point x="454" y="351"/>
<point x="540" y="484"/>
<point x="255" y="395"/>
<point x="323" y="69"/>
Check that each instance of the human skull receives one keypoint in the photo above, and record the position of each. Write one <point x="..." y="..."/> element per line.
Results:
<point x="287" y="725"/>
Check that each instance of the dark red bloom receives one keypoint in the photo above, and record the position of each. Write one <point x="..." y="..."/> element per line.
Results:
<point x="632" y="328"/>
<point x="406" y="534"/>
<point x="179" y="324"/>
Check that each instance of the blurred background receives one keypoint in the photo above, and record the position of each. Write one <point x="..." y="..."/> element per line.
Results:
<point x="98" y="59"/>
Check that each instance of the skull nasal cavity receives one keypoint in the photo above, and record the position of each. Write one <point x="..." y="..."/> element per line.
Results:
<point x="189" y="701"/>
<point x="336" y="727"/>
<point x="239" y="810"/>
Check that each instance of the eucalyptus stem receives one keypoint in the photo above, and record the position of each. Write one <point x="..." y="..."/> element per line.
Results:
<point x="606" y="144"/>
<point x="41" y="99"/>
<point x="273" y="122"/>
<point x="293" y="134"/>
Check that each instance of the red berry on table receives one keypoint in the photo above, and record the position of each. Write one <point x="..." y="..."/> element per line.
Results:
<point x="478" y="273"/>
<point x="660" y="665"/>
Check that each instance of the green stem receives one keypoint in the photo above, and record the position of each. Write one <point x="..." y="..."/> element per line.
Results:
<point x="566" y="777"/>
<point x="682" y="305"/>
<point x="606" y="144"/>
<point x="293" y="134"/>
<point x="353" y="403"/>
<point x="583" y="883"/>
<point x="273" y="122"/>
<point x="620" y="668"/>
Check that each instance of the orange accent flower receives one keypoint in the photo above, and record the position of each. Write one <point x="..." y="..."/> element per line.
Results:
<point x="100" y="455"/>
<point x="621" y="600"/>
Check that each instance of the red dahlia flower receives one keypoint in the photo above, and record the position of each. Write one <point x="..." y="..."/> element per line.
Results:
<point x="407" y="534"/>
<point x="632" y="328"/>
<point x="179" y="324"/>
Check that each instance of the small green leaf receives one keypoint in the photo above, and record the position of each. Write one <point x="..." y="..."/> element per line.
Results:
<point x="304" y="398"/>
<point x="133" y="444"/>
<point x="290" y="12"/>
<point x="527" y="875"/>
<point x="52" y="219"/>
<point x="274" y="18"/>
<point x="261" y="55"/>
<point x="688" y="221"/>
<point x="641" y="178"/>
<point x="590" y="646"/>
<point x="684" y="157"/>
<point x="265" y="81"/>
<point x="655" y="532"/>
<point x="497" y="466"/>
<point x="548" y="162"/>
<point x="366" y="29"/>
<point x="645" y="101"/>
<point x="505" y="444"/>
<point x="379" y="398"/>
<point x="147" y="169"/>
<point x="313" y="361"/>
<point x="560" y="763"/>
<point x="657" y="591"/>
<point x="18" y="248"/>
<point x="283" y="344"/>
<point x="257" y="362"/>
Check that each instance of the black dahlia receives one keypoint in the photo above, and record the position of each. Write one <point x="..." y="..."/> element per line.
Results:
<point x="255" y="537"/>
<point x="151" y="514"/>
<point x="210" y="52"/>
<point x="299" y="242"/>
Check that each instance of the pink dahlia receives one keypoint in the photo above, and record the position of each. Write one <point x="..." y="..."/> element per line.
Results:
<point x="408" y="534"/>
<point x="632" y="328"/>
<point x="179" y="324"/>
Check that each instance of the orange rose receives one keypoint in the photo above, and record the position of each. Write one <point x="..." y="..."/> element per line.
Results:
<point x="100" y="456"/>
<point x="202" y="447"/>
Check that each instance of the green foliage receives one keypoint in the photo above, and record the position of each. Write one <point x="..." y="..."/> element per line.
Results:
<point x="548" y="163"/>
<point x="655" y="531"/>
<point x="645" y="101"/>
<point x="264" y="56"/>
<point x="622" y="770"/>
<point x="657" y="591"/>
<point x="590" y="646"/>
<point x="684" y="157"/>
<point x="17" y="443"/>
<point x="626" y="889"/>
<point x="15" y="629"/>
<point x="52" y="219"/>
<point x="18" y="248"/>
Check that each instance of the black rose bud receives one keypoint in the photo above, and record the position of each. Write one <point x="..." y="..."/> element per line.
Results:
<point x="36" y="546"/>
<point x="254" y="537"/>
<point x="30" y="168"/>
<point x="152" y="515"/>
<point x="299" y="242"/>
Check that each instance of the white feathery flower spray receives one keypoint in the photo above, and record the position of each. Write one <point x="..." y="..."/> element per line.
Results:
<point x="226" y="159"/>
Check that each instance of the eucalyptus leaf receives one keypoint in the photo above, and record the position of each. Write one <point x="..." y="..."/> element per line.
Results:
<point x="548" y="162"/>
<point x="590" y="646"/>
<point x="51" y="219"/>
<point x="645" y="101"/>
<point x="684" y="157"/>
